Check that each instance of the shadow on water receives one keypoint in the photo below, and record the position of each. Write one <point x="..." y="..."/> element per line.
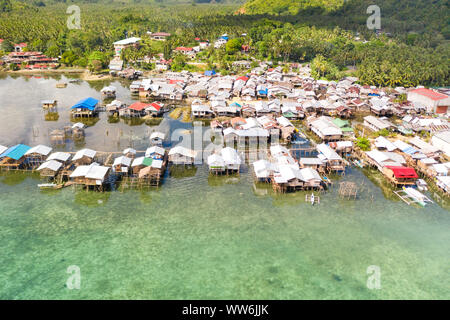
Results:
<point x="13" y="178"/>
<point x="180" y="171"/>
<point x="91" y="198"/>
<point x="222" y="180"/>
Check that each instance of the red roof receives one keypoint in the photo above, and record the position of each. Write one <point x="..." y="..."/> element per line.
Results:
<point x="403" y="172"/>
<point x="243" y="78"/>
<point x="175" y="81"/>
<point x="197" y="39"/>
<point x="433" y="95"/>
<point x="1" y="40"/>
<point x="183" y="49"/>
<point x="139" y="106"/>
<point x="156" y="106"/>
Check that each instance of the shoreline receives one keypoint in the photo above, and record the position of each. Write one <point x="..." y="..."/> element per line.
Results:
<point x="84" y="73"/>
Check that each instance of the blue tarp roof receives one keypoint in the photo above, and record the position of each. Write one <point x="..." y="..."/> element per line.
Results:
<point x="88" y="103"/>
<point x="210" y="72"/>
<point x="265" y="91"/>
<point x="224" y="38"/>
<point x="235" y="104"/>
<point x="16" y="152"/>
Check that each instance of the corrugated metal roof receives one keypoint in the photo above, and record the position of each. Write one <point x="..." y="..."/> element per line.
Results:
<point x="88" y="103"/>
<point x="16" y="152"/>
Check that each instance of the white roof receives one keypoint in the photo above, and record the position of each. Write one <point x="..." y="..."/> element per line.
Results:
<point x="109" y="89"/>
<point x="445" y="136"/>
<point x="277" y="150"/>
<point x="308" y="174"/>
<point x="138" y="161"/>
<point x="263" y="168"/>
<point x="286" y="173"/>
<point x="84" y="153"/>
<point x="444" y="180"/>
<point x="382" y="142"/>
<point x="122" y="160"/>
<point x="3" y="149"/>
<point x="311" y="161"/>
<point x="284" y="122"/>
<point x="158" y="135"/>
<point x="60" y="156"/>
<point x="127" y="41"/>
<point x="379" y="124"/>
<point x="183" y="151"/>
<point x="326" y="127"/>
<point x="129" y="150"/>
<point x="424" y="146"/>
<point x="378" y="156"/>
<point x="344" y="144"/>
<point x="52" y="165"/>
<point x="230" y="156"/>
<point x="40" y="149"/>
<point x="156" y="164"/>
<point x="97" y="172"/>
<point x="216" y="160"/>
<point x="200" y="108"/>
<point x="79" y="125"/>
<point x="441" y="168"/>
<point x="81" y="171"/>
<point x="153" y="150"/>
<point x="329" y="153"/>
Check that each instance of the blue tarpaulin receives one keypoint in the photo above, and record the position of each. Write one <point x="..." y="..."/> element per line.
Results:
<point x="88" y="103"/>
<point x="16" y="152"/>
<point x="210" y="72"/>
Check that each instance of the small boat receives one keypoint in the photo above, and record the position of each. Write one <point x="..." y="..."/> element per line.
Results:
<point x="421" y="185"/>
<point x="48" y="186"/>
<point x="358" y="163"/>
<point x="61" y="84"/>
<point x="416" y="196"/>
<point x="312" y="198"/>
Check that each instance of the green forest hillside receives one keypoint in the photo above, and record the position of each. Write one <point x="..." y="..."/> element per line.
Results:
<point x="289" y="6"/>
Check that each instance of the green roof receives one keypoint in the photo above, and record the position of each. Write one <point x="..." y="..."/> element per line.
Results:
<point x="147" y="162"/>
<point x="288" y="114"/>
<point x="347" y="129"/>
<point x="340" y="123"/>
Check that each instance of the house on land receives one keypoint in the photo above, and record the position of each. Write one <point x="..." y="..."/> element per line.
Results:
<point x="325" y="129"/>
<point x="119" y="46"/>
<point x="159" y="36"/>
<point x="441" y="141"/>
<point x="377" y="124"/>
<point x="433" y="101"/>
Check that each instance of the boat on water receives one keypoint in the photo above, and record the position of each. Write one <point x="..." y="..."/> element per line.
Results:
<point x="61" y="84"/>
<point x="358" y="163"/>
<point x="422" y="185"/>
<point x="416" y="196"/>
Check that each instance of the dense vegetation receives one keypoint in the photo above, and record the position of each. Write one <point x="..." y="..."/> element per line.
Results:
<point x="318" y="32"/>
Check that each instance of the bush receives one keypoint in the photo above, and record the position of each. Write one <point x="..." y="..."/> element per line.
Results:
<point x="363" y="143"/>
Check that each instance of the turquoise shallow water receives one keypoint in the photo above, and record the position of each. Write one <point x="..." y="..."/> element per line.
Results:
<point x="194" y="239"/>
<point x="200" y="237"/>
